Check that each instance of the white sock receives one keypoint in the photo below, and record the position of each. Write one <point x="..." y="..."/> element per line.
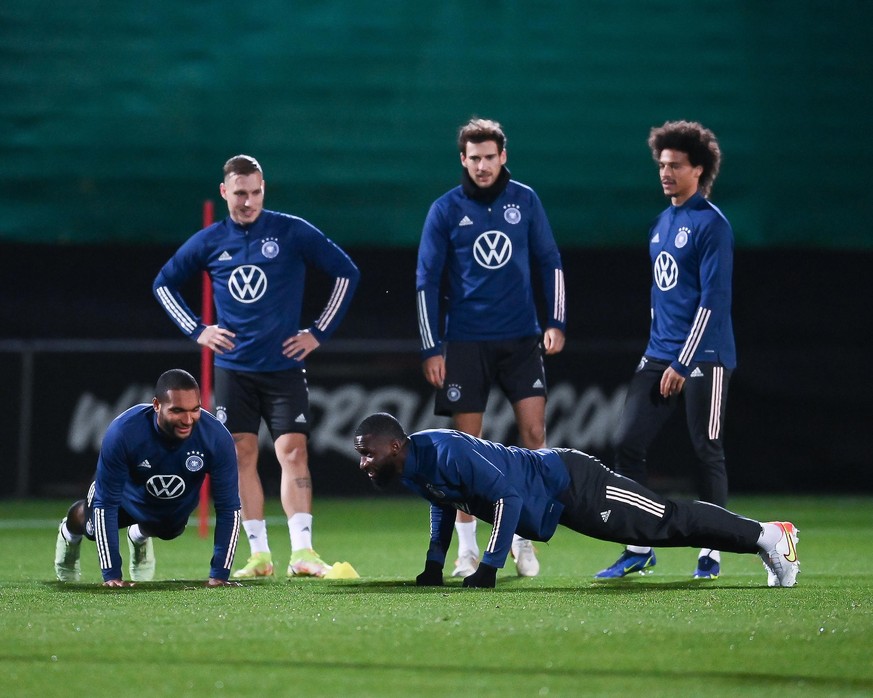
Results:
<point x="137" y="537"/>
<point x="770" y="535"/>
<point x="467" y="537"/>
<point x="639" y="549"/>
<point x="256" y="532"/>
<point x="709" y="552"/>
<point x="71" y="538"/>
<point x="300" y="528"/>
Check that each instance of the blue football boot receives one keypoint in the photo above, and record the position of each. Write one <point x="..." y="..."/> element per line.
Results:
<point x="626" y="564"/>
<point x="707" y="568"/>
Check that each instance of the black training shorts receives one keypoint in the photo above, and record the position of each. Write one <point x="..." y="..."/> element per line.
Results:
<point x="280" y="398"/>
<point x="516" y="365"/>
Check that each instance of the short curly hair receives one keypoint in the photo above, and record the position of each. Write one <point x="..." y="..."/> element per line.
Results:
<point x="693" y="139"/>
<point x="478" y="130"/>
<point x="381" y="424"/>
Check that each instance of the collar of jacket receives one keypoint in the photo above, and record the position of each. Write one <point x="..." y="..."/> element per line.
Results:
<point x="486" y="195"/>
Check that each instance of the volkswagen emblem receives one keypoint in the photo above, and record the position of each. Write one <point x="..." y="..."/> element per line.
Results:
<point x="665" y="271"/>
<point x="247" y="283"/>
<point x="165" y="486"/>
<point x="492" y="249"/>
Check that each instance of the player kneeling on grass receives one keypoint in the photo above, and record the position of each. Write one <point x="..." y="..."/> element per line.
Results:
<point x="152" y="463"/>
<point x="530" y="492"/>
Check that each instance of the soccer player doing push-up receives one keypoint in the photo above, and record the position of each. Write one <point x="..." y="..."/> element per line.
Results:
<point x="530" y="492"/>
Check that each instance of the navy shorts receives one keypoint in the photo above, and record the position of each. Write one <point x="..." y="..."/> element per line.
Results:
<point x="280" y="398"/>
<point x="516" y="365"/>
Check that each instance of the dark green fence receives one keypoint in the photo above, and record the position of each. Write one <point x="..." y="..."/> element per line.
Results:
<point x="116" y="117"/>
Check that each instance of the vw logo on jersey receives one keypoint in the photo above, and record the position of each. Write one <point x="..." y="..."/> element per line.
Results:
<point x="247" y="283"/>
<point x="270" y="248"/>
<point x="492" y="249"/>
<point x="194" y="461"/>
<point x="665" y="271"/>
<point x="165" y="486"/>
<point x="682" y="237"/>
<point x="511" y="214"/>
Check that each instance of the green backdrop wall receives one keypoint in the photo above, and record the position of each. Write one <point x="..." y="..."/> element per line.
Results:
<point x="115" y="118"/>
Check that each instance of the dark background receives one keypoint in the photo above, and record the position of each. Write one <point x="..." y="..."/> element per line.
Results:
<point x="116" y="119"/>
<point x="798" y="411"/>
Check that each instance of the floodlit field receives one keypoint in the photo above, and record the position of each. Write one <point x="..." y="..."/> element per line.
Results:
<point x="559" y="634"/>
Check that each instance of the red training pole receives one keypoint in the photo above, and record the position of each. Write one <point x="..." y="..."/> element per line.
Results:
<point x="206" y="369"/>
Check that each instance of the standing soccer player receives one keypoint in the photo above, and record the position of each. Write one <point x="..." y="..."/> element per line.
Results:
<point x="690" y="355"/>
<point x="153" y="460"/>
<point x="257" y="260"/>
<point x="486" y="234"/>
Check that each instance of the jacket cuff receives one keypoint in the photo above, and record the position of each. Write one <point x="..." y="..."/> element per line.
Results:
<point x="681" y="369"/>
<point x="433" y="351"/>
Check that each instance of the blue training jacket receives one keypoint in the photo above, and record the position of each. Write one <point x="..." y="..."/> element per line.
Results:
<point x="692" y="249"/>
<point x="514" y="489"/>
<point x="258" y="276"/>
<point x="156" y="479"/>
<point x="486" y="250"/>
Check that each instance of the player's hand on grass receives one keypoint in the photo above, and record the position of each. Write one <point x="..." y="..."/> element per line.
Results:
<point x="213" y="582"/>
<point x="485" y="577"/>
<point x="432" y="575"/>
<point x="117" y="583"/>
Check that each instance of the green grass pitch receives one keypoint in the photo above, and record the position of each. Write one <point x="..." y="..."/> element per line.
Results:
<point x="559" y="634"/>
